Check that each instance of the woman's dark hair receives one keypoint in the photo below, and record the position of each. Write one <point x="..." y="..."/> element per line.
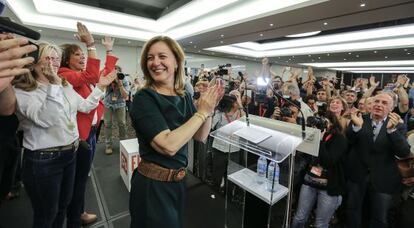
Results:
<point x="67" y="51"/>
<point x="226" y="103"/>
<point x="336" y="127"/>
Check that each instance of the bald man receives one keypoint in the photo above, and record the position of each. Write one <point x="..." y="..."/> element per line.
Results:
<point x="371" y="169"/>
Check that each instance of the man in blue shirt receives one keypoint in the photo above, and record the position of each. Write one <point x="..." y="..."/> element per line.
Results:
<point x="115" y="96"/>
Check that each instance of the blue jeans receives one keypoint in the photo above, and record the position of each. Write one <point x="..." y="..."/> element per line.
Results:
<point x="83" y="166"/>
<point x="48" y="178"/>
<point x="325" y="208"/>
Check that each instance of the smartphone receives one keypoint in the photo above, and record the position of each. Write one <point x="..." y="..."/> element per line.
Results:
<point x="33" y="54"/>
<point x="249" y="93"/>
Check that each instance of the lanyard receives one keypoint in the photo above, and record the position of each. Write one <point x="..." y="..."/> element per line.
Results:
<point x="228" y="119"/>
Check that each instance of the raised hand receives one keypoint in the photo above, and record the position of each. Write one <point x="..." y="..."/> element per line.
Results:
<point x="50" y="73"/>
<point x="393" y="121"/>
<point x="108" y="42"/>
<point x="84" y="35"/>
<point x="372" y="81"/>
<point x="105" y="80"/>
<point x="356" y="118"/>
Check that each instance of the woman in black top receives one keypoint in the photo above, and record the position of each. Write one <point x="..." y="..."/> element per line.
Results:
<point x="324" y="181"/>
<point x="165" y="119"/>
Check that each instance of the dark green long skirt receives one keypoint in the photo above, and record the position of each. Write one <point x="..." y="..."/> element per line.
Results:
<point x="156" y="204"/>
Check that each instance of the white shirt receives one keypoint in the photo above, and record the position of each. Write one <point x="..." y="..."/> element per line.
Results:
<point x="47" y="113"/>
<point x="220" y="120"/>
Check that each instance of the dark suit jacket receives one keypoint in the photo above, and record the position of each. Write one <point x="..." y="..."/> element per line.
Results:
<point x="376" y="159"/>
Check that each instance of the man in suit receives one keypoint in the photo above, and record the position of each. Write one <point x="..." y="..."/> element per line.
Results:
<point x="372" y="171"/>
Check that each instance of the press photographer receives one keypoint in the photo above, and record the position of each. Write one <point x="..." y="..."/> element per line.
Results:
<point x="115" y="105"/>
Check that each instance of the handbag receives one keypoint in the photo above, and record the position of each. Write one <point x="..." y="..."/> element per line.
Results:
<point x="406" y="169"/>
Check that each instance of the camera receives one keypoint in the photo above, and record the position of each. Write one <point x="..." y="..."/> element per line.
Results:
<point x="317" y="122"/>
<point x="322" y="107"/>
<point x="285" y="112"/>
<point x="120" y="76"/>
<point x="226" y="103"/>
<point x="222" y="69"/>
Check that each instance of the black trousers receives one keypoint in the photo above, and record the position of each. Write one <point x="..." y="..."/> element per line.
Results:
<point x="379" y="205"/>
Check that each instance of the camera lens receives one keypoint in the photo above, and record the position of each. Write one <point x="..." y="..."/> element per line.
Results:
<point x="120" y="76"/>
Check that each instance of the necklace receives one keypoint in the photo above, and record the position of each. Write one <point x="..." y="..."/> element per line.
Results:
<point x="70" y="124"/>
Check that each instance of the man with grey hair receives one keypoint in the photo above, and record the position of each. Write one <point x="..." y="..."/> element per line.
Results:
<point x="375" y="140"/>
<point x="291" y="91"/>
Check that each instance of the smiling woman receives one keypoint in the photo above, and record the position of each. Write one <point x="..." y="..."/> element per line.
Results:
<point x="165" y="119"/>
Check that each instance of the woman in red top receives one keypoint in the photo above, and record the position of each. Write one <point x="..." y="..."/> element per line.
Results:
<point x="83" y="81"/>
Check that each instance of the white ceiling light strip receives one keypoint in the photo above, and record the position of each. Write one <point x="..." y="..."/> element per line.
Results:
<point x="191" y="19"/>
<point x="369" y="34"/>
<point x="373" y="68"/>
<point x="362" y="64"/>
<point x="79" y="11"/>
<point x="333" y="48"/>
<point x="381" y="71"/>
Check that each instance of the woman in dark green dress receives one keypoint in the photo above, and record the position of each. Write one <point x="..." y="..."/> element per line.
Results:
<point x="165" y="119"/>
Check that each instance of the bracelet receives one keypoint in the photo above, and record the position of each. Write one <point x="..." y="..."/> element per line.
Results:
<point x="90" y="44"/>
<point x="92" y="48"/>
<point x="201" y="116"/>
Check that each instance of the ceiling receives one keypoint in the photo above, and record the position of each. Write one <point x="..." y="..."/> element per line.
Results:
<point x="264" y="23"/>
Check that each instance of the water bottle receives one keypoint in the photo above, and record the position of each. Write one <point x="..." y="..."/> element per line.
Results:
<point x="261" y="169"/>
<point x="272" y="171"/>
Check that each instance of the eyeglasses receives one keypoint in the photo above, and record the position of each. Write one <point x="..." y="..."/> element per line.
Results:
<point x="54" y="59"/>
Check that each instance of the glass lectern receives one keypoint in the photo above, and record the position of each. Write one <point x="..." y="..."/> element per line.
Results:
<point x="272" y="139"/>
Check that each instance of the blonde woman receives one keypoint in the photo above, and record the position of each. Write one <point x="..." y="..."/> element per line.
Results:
<point x="47" y="107"/>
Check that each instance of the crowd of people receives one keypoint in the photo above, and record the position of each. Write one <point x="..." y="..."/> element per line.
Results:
<point x="59" y="100"/>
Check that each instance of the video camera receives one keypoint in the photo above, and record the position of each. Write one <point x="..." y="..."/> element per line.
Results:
<point x="222" y="69"/>
<point x="317" y="122"/>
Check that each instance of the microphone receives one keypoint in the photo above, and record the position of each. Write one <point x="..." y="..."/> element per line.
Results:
<point x="8" y="26"/>
<point x="275" y="93"/>
<point x="246" y="107"/>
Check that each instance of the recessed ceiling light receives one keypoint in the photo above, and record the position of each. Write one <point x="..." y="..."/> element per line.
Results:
<point x="319" y="57"/>
<point x="328" y="54"/>
<point x="362" y="4"/>
<point x="349" y="53"/>
<point x="357" y="56"/>
<point x="386" y="57"/>
<point x="290" y="59"/>
<point x="405" y="49"/>
<point x="375" y="52"/>
<point x="195" y="46"/>
<point x="261" y="34"/>
<point x="271" y="25"/>
<point x="191" y="42"/>
<point x="313" y="60"/>
<point x="309" y="55"/>
<point x="278" y="57"/>
<point x="129" y="41"/>
<point x="325" y="23"/>
<point x="222" y="35"/>
<point x="293" y="56"/>
<point x="199" y="51"/>
<point x="303" y="34"/>
<point x="345" y="59"/>
<point x="39" y="30"/>
<point x="221" y="41"/>
<point x="408" y="53"/>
